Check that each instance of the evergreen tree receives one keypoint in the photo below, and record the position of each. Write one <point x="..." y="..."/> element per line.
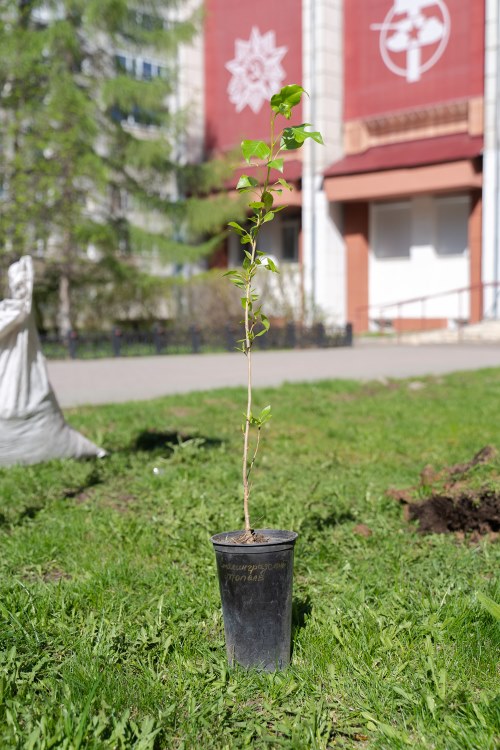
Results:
<point x="89" y="140"/>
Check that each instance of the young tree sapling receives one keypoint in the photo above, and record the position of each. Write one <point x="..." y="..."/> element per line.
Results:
<point x="269" y="157"/>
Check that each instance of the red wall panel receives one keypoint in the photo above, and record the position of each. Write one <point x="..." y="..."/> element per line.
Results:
<point x="252" y="49"/>
<point x="404" y="54"/>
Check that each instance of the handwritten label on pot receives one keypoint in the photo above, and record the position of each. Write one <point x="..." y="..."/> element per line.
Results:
<point x="249" y="572"/>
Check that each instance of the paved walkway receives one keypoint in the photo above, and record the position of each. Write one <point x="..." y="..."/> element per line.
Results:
<point x="78" y="382"/>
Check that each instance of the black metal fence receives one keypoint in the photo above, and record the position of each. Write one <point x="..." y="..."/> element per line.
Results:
<point x="185" y="340"/>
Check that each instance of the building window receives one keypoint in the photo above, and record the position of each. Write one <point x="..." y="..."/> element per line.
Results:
<point x="147" y="21"/>
<point x="452" y="215"/>
<point x="138" y="67"/>
<point x="392" y="230"/>
<point x="290" y="241"/>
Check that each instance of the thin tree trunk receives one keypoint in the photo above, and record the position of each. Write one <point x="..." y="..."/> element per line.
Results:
<point x="64" y="312"/>
<point x="246" y="435"/>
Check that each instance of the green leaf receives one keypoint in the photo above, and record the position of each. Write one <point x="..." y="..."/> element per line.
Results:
<point x="233" y="274"/>
<point x="268" y="217"/>
<point x="237" y="228"/>
<point x="489" y="604"/>
<point x="265" y="322"/>
<point x="294" y="137"/>
<point x="271" y="265"/>
<point x="479" y="715"/>
<point x="260" y="149"/>
<point x="267" y="199"/>
<point x="285" y="184"/>
<point x="285" y="100"/>
<point x="276" y="164"/>
<point x="431" y="703"/>
<point x="256" y="205"/>
<point x="246" y="182"/>
<point x="265" y="414"/>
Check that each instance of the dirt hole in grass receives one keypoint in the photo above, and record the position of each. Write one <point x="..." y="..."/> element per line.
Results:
<point x="470" y="511"/>
<point x="455" y="502"/>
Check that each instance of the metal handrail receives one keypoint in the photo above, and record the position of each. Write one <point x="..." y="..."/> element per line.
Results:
<point x="364" y="310"/>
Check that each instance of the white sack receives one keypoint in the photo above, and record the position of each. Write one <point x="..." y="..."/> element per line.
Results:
<point x="32" y="427"/>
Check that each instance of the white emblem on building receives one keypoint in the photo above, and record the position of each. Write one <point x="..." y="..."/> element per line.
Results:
<point x="419" y="29"/>
<point x="256" y="70"/>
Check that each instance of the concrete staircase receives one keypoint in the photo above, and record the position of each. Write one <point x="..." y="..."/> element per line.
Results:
<point x="486" y="331"/>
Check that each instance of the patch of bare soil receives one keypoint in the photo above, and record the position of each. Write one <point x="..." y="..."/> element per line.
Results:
<point x="471" y="511"/>
<point x="453" y="506"/>
<point x="362" y="530"/>
<point x="120" y="501"/>
<point x="54" y="575"/>
<point x="49" y="574"/>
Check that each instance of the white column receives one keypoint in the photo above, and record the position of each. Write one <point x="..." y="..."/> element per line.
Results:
<point x="491" y="161"/>
<point x="323" y="246"/>
<point x="190" y="90"/>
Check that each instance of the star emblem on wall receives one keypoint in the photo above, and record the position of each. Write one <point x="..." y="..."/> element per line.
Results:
<point x="256" y="70"/>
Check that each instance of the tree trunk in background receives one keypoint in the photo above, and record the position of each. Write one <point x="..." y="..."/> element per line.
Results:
<point x="64" y="312"/>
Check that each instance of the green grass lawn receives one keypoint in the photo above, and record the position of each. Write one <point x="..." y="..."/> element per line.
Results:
<point x="111" y="633"/>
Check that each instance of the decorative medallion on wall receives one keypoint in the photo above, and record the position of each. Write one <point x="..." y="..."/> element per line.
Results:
<point x="413" y="36"/>
<point x="256" y="70"/>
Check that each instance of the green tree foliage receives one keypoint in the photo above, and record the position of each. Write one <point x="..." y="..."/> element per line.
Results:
<point x="89" y="151"/>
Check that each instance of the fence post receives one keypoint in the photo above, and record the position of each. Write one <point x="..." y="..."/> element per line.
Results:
<point x="195" y="339"/>
<point x="157" y="338"/>
<point x="230" y="339"/>
<point x="72" y="343"/>
<point x="290" y="338"/>
<point x="116" y="341"/>
<point x="319" y="330"/>
<point x="348" y="334"/>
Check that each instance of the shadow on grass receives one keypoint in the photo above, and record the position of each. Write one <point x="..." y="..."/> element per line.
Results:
<point x="94" y="478"/>
<point x="30" y="512"/>
<point x="317" y="522"/>
<point x="332" y="519"/>
<point x="149" y="441"/>
<point x="301" y="609"/>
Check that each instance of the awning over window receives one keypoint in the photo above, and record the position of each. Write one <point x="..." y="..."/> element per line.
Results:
<point x="445" y="164"/>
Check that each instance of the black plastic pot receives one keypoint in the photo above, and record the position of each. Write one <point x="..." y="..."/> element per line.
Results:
<point x="255" y="583"/>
